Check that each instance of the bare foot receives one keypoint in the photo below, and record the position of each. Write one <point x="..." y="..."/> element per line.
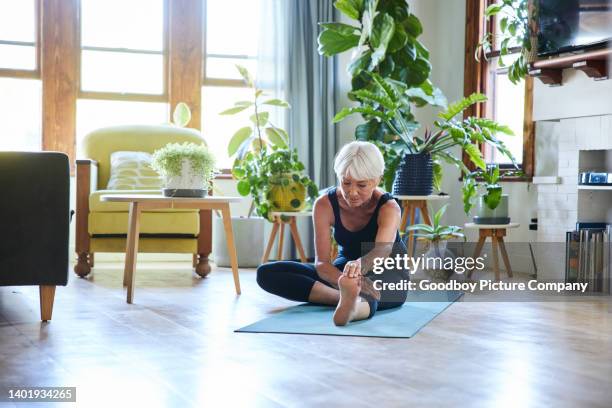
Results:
<point x="349" y="297"/>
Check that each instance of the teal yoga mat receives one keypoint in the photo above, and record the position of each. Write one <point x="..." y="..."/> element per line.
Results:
<point x="403" y="322"/>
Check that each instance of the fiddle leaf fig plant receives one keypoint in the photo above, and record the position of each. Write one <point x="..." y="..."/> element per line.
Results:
<point x="264" y="165"/>
<point x="383" y="36"/>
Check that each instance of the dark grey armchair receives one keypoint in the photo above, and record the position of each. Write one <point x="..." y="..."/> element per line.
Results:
<point x="34" y="222"/>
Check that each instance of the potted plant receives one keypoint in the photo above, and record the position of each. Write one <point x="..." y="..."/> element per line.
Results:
<point x="266" y="170"/>
<point x="187" y="169"/>
<point x="492" y="206"/>
<point x="419" y="169"/>
<point x="514" y="33"/>
<point x="383" y="36"/>
<point x="436" y="258"/>
<point x="265" y="167"/>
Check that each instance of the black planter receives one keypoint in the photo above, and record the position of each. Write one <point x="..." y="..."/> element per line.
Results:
<point x="414" y="175"/>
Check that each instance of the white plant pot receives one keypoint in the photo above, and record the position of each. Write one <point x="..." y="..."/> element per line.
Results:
<point x="249" y="239"/>
<point x="188" y="179"/>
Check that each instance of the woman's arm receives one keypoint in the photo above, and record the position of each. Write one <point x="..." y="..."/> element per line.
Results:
<point x="323" y="219"/>
<point x="388" y="222"/>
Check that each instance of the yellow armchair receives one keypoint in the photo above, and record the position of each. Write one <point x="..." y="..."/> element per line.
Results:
<point x="102" y="226"/>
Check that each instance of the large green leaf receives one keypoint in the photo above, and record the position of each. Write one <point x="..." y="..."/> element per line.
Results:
<point x="382" y="32"/>
<point x="366" y="96"/>
<point x="277" y="102"/>
<point x="399" y="39"/>
<point x="493" y="196"/>
<point x="334" y="40"/>
<point x="260" y="119"/>
<point x="493" y="9"/>
<point x="181" y="115"/>
<point x="234" y="110"/>
<point x="421" y="97"/>
<point x="351" y="8"/>
<point x="475" y="155"/>
<point x="461" y="105"/>
<point x="246" y="76"/>
<point x="359" y="63"/>
<point x="243" y="187"/>
<point x="437" y="175"/>
<point x="277" y="136"/>
<point x="238" y="139"/>
<point x="413" y="25"/>
<point x="365" y="110"/>
<point x="418" y="72"/>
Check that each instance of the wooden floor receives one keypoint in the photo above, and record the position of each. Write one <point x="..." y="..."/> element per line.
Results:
<point x="175" y="347"/>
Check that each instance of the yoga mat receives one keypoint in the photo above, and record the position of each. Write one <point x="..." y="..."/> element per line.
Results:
<point x="403" y="322"/>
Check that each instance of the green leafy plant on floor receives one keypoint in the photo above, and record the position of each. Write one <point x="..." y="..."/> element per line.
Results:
<point x="513" y="32"/>
<point x="384" y="103"/>
<point x="168" y="160"/>
<point x="489" y="179"/>
<point x="437" y="232"/>
<point x="383" y="36"/>
<point x="264" y="163"/>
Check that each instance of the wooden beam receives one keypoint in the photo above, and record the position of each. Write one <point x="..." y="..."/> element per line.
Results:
<point x="597" y="69"/>
<point x="549" y="76"/>
<point x="59" y="62"/>
<point x="186" y="56"/>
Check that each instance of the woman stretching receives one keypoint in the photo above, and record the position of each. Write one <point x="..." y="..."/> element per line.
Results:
<point x="359" y="213"/>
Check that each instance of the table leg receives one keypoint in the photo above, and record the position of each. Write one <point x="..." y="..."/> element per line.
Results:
<point x="297" y="240"/>
<point x="131" y="251"/>
<point x="425" y="213"/>
<point x="504" y="254"/>
<point x="231" y="246"/>
<point x="495" y="258"/>
<point x="405" y="210"/>
<point x="281" y="237"/>
<point x="412" y="210"/>
<point x="477" y="251"/>
<point x="271" y="239"/>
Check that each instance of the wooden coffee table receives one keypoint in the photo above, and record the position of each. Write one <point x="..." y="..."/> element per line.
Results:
<point x="143" y="202"/>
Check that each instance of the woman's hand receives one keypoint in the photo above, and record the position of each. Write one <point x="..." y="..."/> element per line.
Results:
<point x="352" y="269"/>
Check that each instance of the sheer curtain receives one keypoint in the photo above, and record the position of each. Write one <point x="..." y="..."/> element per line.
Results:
<point x="290" y="67"/>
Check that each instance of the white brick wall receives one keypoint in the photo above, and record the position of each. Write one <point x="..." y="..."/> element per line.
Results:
<point x="561" y="205"/>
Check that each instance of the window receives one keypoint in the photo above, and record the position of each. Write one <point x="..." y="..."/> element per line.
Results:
<point x="508" y="103"/>
<point x="20" y="88"/>
<point x="127" y="61"/>
<point x="123" y="69"/>
<point x="18" y="35"/>
<point x="227" y="42"/>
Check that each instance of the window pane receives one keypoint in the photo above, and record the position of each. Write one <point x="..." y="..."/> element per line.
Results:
<point x="20" y="114"/>
<point x="17" y="20"/>
<point x="232" y="27"/>
<point x="94" y="114"/>
<point x="120" y="72"/>
<point x="17" y="57"/>
<point x="508" y="109"/>
<point x="134" y="24"/>
<point x="218" y="129"/>
<point x="225" y="68"/>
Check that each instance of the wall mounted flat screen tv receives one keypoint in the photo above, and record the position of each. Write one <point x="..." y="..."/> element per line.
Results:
<point x="572" y="25"/>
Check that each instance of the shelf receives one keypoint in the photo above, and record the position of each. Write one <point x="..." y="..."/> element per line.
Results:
<point x="583" y="187"/>
<point x="593" y="63"/>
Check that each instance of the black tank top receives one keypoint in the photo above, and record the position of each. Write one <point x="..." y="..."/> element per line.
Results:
<point x="350" y="242"/>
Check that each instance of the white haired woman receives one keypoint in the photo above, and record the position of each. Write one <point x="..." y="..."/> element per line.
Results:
<point x="360" y="214"/>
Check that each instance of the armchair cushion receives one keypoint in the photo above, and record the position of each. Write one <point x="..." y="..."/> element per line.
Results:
<point x="116" y="223"/>
<point x="132" y="171"/>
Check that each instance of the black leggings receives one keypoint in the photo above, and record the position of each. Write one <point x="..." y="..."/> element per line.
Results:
<point x="294" y="281"/>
